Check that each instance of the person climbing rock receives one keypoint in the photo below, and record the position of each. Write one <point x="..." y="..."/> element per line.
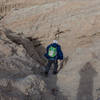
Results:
<point x="53" y="54"/>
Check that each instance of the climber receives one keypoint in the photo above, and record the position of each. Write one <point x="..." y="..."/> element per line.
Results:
<point x="53" y="54"/>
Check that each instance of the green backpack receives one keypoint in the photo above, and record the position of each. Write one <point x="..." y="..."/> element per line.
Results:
<point x="52" y="51"/>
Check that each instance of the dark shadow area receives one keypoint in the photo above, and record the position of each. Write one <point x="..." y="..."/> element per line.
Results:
<point x="51" y="82"/>
<point x="36" y="50"/>
<point x="1" y="17"/>
<point x="39" y="48"/>
<point x="32" y="46"/>
<point x="85" y="91"/>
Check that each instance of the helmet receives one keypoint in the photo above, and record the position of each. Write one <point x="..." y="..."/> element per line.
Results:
<point x="55" y="41"/>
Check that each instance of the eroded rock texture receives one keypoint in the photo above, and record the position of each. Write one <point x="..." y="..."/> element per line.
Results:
<point x="25" y="33"/>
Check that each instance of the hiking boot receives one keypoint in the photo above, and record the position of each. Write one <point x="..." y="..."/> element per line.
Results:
<point x="54" y="72"/>
<point x="46" y="74"/>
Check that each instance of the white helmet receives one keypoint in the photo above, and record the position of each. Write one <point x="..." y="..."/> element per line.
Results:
<point x="55" y="41"/>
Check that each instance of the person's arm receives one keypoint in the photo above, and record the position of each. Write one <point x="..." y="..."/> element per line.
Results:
<point x="60" y="53"/>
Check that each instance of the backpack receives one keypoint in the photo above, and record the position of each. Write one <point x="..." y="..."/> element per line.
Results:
<point x="52" y="52"/>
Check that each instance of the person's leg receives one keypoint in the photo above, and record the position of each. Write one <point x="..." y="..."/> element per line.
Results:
<point x="47" y="68"/>
<point x="55" y="67"/>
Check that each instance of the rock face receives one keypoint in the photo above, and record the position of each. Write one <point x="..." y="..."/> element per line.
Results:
<point x="7" y="5"/>
<point x="19" y="72"/>
<point x="74" y="21"/>
<point x="26" y="32"/>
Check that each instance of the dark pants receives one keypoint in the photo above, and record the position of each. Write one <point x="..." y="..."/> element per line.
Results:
<point x="50" y="62"/>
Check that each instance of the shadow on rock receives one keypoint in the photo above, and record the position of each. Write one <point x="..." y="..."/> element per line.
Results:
<point x="85" y="91"/>
<point x="32" y="46"/>
<point x="51" y="82"/>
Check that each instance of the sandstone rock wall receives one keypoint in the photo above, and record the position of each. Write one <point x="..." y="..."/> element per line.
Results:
<point x="21" y="70"/>
<point x="16" y="75"/>
<point x="73" y="22"/>
<point x="7" y="5"/>
<point x="76" y="25"/>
